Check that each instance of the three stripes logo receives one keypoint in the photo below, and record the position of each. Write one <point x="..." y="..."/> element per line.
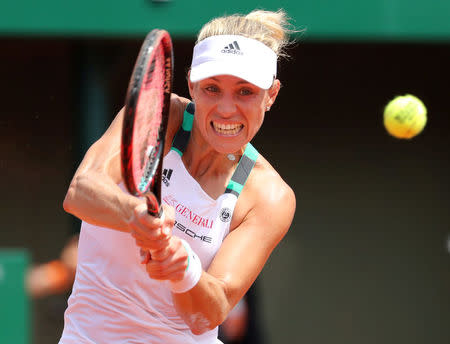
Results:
<point x="167" y="173"/>
<point x="232" y="48"/>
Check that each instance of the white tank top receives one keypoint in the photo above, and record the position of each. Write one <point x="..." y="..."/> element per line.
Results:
<point x="113" y="299"/>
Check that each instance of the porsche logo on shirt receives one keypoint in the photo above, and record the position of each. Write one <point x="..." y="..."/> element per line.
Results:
<point x="191" y="233"/>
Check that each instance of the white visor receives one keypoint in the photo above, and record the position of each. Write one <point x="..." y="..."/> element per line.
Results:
<point x="239" y="56"/>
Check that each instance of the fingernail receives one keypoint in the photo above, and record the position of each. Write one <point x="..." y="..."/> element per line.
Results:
<point x="166" y="230"/>
<point x="145" y="256"/>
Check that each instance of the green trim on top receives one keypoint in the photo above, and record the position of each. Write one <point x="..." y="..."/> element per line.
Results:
<point x="181" y="137"/>
<point x="188" y="119"/>
<point x="251" y="152"/>
<point x="232" y="185"/>
<point x="177" y="150"/>
<point x="242" y="171"/>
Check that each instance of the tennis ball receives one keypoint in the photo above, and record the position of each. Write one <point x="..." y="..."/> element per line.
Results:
<point x="405" y="116"/>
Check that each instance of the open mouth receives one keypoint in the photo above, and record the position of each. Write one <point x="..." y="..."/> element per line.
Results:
<point x="227" y="129"/>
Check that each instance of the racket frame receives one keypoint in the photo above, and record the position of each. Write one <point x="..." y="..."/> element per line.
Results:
<point x="149" y="186"/>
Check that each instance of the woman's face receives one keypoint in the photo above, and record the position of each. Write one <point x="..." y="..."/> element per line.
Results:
<point x="229" y="111"/>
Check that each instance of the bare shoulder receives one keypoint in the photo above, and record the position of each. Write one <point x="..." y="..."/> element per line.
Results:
<point x="266" y="200"/>
<point x="177" y="106"/>
<point x="270" y="192"/>
<point x="266" y="180"/>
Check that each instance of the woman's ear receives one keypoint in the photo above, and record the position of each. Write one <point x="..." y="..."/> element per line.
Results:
<point x="273" y="93"/>
<point x="190" y="85"/>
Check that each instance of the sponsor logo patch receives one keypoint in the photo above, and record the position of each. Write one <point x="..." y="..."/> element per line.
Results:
<point x="225" y="214"/>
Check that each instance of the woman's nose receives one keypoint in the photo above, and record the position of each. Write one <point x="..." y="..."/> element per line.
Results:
<point x="227" y="105"/>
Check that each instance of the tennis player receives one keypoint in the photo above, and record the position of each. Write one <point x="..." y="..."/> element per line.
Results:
<point x="226" y="208"/>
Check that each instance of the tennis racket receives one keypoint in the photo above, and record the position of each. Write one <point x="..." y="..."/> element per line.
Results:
<point x="145" y="120"/>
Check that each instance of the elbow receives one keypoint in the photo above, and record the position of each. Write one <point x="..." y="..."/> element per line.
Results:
<point x="213" y="315"/>
<point x="204" y="307"/>
<point x="198" y="329"/>
<point x="199" y="323"/>
<point x="70" y="200"/>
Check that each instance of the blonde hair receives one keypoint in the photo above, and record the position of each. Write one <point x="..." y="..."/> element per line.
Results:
<point x="270" y="28"/>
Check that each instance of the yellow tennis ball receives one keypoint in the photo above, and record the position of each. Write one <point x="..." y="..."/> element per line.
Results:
<point x="405" y="116"/>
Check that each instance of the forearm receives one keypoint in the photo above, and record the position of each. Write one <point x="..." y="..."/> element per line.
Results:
<point x="95" y="198"/>
<point x="205" y="306"/>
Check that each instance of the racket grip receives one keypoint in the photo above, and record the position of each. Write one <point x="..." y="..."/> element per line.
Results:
<point x="154" y="209"/>
<point x="153" y="206"/>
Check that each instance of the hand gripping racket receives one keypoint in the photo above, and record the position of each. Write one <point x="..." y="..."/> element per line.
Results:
<point x="145" y="120"/>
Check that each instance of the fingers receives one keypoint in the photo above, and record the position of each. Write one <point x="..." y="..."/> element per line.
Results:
<point x="148" y="227"/>
<point x="169" y="263"/>
<point x="169" y="216"/>
<point x="150" y="245"/>
<point x="145" y="256"/>
<point x="172" y="273"/>
<point x="163" y="254"/>
<point x="143" y="220"/>
<point x="169" y="269"/>
<point x="151" y="232"/>
<point x="144" y="224"/>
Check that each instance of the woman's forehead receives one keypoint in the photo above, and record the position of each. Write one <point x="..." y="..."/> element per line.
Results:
<point x="228" y="79"/>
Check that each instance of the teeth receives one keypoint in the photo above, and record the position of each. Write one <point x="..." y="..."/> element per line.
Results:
<point x="226" y="126"/>
<point x="229" y="129"/>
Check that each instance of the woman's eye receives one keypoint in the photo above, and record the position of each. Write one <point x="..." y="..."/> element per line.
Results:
<point x="212" y="89"/>
<point x="245" y="92"/>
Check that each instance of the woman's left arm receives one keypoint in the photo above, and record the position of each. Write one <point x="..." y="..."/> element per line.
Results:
<point x="241" y="257"/>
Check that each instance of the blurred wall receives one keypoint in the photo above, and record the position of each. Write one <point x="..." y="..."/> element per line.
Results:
<point x="414" y="20"/>
<point x="365" y="260"/>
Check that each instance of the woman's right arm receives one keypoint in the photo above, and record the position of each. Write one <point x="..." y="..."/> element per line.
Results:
<point x="93" y="194"/>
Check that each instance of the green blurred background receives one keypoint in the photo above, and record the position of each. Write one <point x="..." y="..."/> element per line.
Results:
<point x="367" y="257"/>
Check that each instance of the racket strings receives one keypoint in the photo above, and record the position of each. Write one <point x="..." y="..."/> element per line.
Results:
<point x="148" y="135"/>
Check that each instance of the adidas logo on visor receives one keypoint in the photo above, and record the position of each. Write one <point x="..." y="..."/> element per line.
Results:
<point x="232" y="48"/>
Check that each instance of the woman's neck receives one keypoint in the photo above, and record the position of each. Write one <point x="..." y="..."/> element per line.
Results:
<point x="202" y="160"/>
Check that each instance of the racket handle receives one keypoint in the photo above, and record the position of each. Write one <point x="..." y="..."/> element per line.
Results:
<point x="154" y="209"/>
<point x="153" y="206"/>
